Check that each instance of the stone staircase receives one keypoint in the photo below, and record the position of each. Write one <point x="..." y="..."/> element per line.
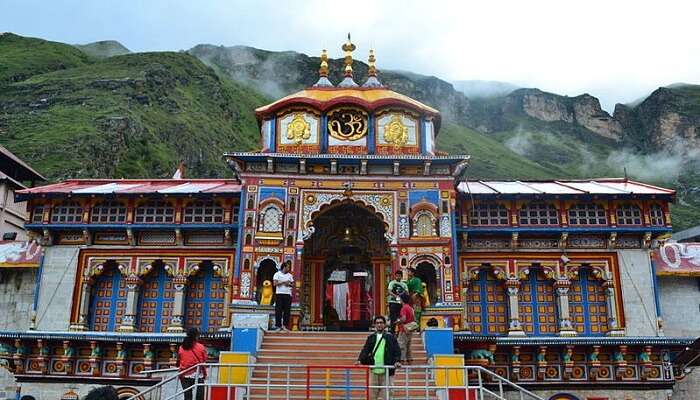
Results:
<point x="301" y="349"/>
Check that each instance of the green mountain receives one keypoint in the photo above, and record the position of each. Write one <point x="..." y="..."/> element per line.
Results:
<point x="71" y="114"/>
<point x="103" y="49"/>
<point x="22" y="57"/>
<point x="127" y="116"/>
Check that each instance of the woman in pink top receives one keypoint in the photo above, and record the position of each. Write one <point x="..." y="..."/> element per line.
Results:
<point x="406" y="315"/>
<point x="191" y="353"/>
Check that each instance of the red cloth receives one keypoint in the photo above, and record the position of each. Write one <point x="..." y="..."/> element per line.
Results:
<point x="406" y="315"/>
<point x="354" y="300"/>
<point x="196" y="355"/>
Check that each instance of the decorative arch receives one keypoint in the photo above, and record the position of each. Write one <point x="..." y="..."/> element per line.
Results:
<point x="108" y="294"/>
<point x="205" y="297"/>
<point x="156" y="303"/>
<point x="424" y="224"/>
<point x="271" y="216"/>
<point x="382" y="205"/>
<point x="536" y="301"/>
<point x="588" y="306"/>
<point x="487" y="301"/>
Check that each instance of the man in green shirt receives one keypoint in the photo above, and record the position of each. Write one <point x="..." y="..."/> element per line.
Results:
<point x="381" y="349"/>
<point x="415" y="289"/>
<point x="396" y="288"/>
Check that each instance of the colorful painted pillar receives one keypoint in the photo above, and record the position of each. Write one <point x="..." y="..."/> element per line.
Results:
<point x="133" y="286"/>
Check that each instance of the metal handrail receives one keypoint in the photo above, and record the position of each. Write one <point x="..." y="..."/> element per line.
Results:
<point x="485" y="382"/>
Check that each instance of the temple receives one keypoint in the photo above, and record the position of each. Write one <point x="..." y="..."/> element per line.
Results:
<point x="553" y="279"/>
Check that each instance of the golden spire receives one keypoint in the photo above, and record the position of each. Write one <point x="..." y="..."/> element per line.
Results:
<point x="323" y="70"/>
<point x="348" y="48"/>
<point x="372" y="70"/>
<point x="372" y="81"/>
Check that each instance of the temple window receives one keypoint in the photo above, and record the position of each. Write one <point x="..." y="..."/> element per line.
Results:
<point x="154" y="212"/>
<point x="487" y="305"/>
<point x="537" y="305"/>
<point x="402" y="208"/>
<point x="38" y="214"/>
<point x="424" y="224"/>
<point x="156" y="301"/>
<point x="445" y="208"/>
<point x="107" y="300"/>
<point x="489" y="214"/>
<point x="205" y="300"/>
<point x="539" y="213"/>
<point x="629" y="214"/>
<point x="290" y="240"/>
<point x="108" y="212"/>
<point x="204" y="212"/>
<point x="290" y="223"/>
<point x="251" y="201"/>
<point x="248" y="239"/>
<point x="270" y="219"/>
<point x="656" y="213"/>
<point x="292" y="203"/>
<point x="68" y="212"/>
<point x="587" y="304"/>
<point x="587" y="214"/>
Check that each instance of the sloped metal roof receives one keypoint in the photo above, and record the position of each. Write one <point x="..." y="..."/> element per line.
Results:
<point x="606" y="186"/>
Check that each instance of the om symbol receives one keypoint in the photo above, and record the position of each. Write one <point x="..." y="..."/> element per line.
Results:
<point x="347" y="125"/>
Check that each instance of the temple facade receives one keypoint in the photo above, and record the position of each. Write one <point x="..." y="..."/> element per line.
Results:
<point x="553" y="279"/>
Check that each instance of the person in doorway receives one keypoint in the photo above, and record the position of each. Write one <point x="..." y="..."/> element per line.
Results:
<point x="406" y="326"/>
<point x="284" y="282"/>
<point x="396" y="289"/>
<point x="191" y="353"/>
<point x="415" y="289"/>
<point x="381" y="350"/>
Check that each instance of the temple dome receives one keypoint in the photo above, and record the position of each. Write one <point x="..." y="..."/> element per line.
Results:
<point x="325" y="98"/>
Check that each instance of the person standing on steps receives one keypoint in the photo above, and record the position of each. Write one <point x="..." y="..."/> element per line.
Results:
<point x="284" y="282"/>
<point x="415" y="289"/>
<point x="381" y="349"/>
<point x="406" y="326"/>
<point x="395" y="289"/>
<point x="191" y="353"/>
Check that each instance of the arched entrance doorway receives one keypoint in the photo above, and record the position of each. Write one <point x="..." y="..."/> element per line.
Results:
<point x="427" y="273"/>
<point x="266" y="271"/>
<point x="345" y="263"/>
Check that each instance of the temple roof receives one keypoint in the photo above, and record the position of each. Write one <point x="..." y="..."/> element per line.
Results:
<point x="323" y="98"/>
<point x="173" y="187"/>
<point x="604" y="186"/>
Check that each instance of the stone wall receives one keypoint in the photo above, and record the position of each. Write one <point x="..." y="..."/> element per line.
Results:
<point x="56" y="292"/>
<point x="680" y="305"/>
<point x="638" y="292"/>
<point x="16" y="298"/>
<point x="688" y="388"/>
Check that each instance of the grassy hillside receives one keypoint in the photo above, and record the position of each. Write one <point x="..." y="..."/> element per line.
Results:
<point x="103" y="49"/>
<point x="489" y="158"/>
<point x="128" y="116"/>
<point x="21" y="57"/>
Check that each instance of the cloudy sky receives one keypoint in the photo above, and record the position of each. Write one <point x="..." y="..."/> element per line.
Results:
<point x="617" y="50"/>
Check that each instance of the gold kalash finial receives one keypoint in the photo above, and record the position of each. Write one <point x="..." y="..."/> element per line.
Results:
<point x="323" y="70"/>
<point x="372" y="70"/>
<point x="348" y="48"/>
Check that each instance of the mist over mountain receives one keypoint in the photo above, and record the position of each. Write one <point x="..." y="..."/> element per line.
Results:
<point x="484" y="89"/>
<point x="97" y="110"/>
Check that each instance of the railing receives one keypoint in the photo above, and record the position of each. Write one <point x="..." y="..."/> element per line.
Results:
<point x="278" y="381"/>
